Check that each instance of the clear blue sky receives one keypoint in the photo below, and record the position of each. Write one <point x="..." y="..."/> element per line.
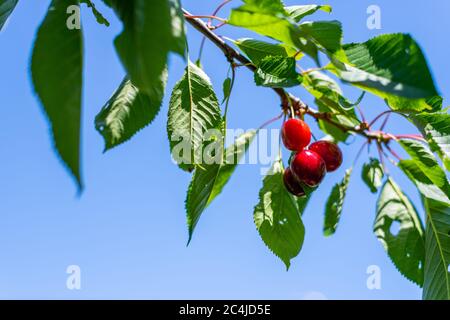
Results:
<point x="127" y="231"/>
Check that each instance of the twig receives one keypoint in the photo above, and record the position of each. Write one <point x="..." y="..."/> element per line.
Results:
<point x="269" y="122"/>
<point x="286" y="98"/>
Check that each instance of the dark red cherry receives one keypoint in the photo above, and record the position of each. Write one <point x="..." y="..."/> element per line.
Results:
<point x="292" y="184"/>
<point x="329" y="152"/>
<point x="296" y="134"/>
<point x="309" y="168"/>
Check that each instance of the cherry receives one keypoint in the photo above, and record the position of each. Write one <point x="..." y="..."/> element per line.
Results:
<point x="329" y="152"/>
<point x="292" y="184"/>
<point x="296" y="134"/>
<point x="309" y="168"/>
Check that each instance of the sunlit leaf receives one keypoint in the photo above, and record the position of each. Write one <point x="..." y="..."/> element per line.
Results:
<point x="299" y="12"/>
<point x="437" y="247"/>
<point x="406" y="248"/>
<point x="391" y="66"/>
<point x="335" y="204"/>
<point x="193" y="110"/>
<point x="277" y="217"/>
<point x="209" y="180"/>
<point x="277" y="72"/>
<point x="373" y="174"/>
<point x="128" y="111"/>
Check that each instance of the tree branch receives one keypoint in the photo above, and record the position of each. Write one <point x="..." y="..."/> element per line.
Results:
<point x="286" y="98"/>
<point x="230" y="53"/>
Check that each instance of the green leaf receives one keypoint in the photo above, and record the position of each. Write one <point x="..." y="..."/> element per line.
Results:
<point x="373" y="174"/>
<point x="226" y="87"/>
<point x="208" y="182"/>
<point x="277" y="72"/>
<point x="426" y="162"/>
<point x="329" y="98"/>
<point x="268" y="18"/>
<point x="436" y="129"/>
<point x="151" y="30"/>
<point x="435" y="103"/>
<point x="277" y="217"/>
<point x="56" y="70"/>
<point x="193" y="109"/>
<point x="127" y="112"/>
<point x="178" y="41"/>
<point x="233" y="156"/>
<point x="407" y="248"/>
<point x="257" y="50"/>
<point x="425" y="186"/>
<point x="328" y="92"/>
<point x="299" y="12"/>
<point x="437" y="251"/>
<point x="98" y="15"/>
<point x="327" y="35"/>
<point x="391" y="66"/>
<point x="335" y="204"/>
<point x="6" y="8"/>
<point x="345" y="119"/>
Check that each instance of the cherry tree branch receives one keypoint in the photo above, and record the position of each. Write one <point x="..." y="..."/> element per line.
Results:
<point x="287" y="99"/>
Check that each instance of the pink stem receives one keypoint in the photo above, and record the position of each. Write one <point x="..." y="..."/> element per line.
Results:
<point x="223" y="4"/>
<point x="360" y="152"/>
<point x="265" y="124"/>
<point x="393" y="152"/>
<point x="380" y="155"/>
<point x="385" y="121"/>
<point x="378" y="117"/>
<point x="410" y="136"/>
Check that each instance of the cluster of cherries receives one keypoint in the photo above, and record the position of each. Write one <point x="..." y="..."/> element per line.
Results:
<point x="309" y="165"/>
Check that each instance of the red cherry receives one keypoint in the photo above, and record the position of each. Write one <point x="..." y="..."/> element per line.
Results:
<point x="292" y="184"/>
<point x="329" y="152"/>
<point x="296" y="134"/>
<point x="309" y="168"/>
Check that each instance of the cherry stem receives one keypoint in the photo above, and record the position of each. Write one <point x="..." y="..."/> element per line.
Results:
<point x="385" y="121"/>
<point x="360" y="152"/>
<point x="218" y="26"/>
<point x="363" y="118"/>
<point x="380" y="155"/>
<point x="269" y="122"/>
<point x="379" y="117"/>
<point x="287" y="99"/>
<point x="202" y="45"/>
<point x="393" y="152"/>
<point x="410" y="136"/>
<point x="200" y="51"/>
<point x="223" y="4"/>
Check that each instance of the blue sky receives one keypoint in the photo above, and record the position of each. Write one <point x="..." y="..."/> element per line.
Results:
<point x="127" y="231"/>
